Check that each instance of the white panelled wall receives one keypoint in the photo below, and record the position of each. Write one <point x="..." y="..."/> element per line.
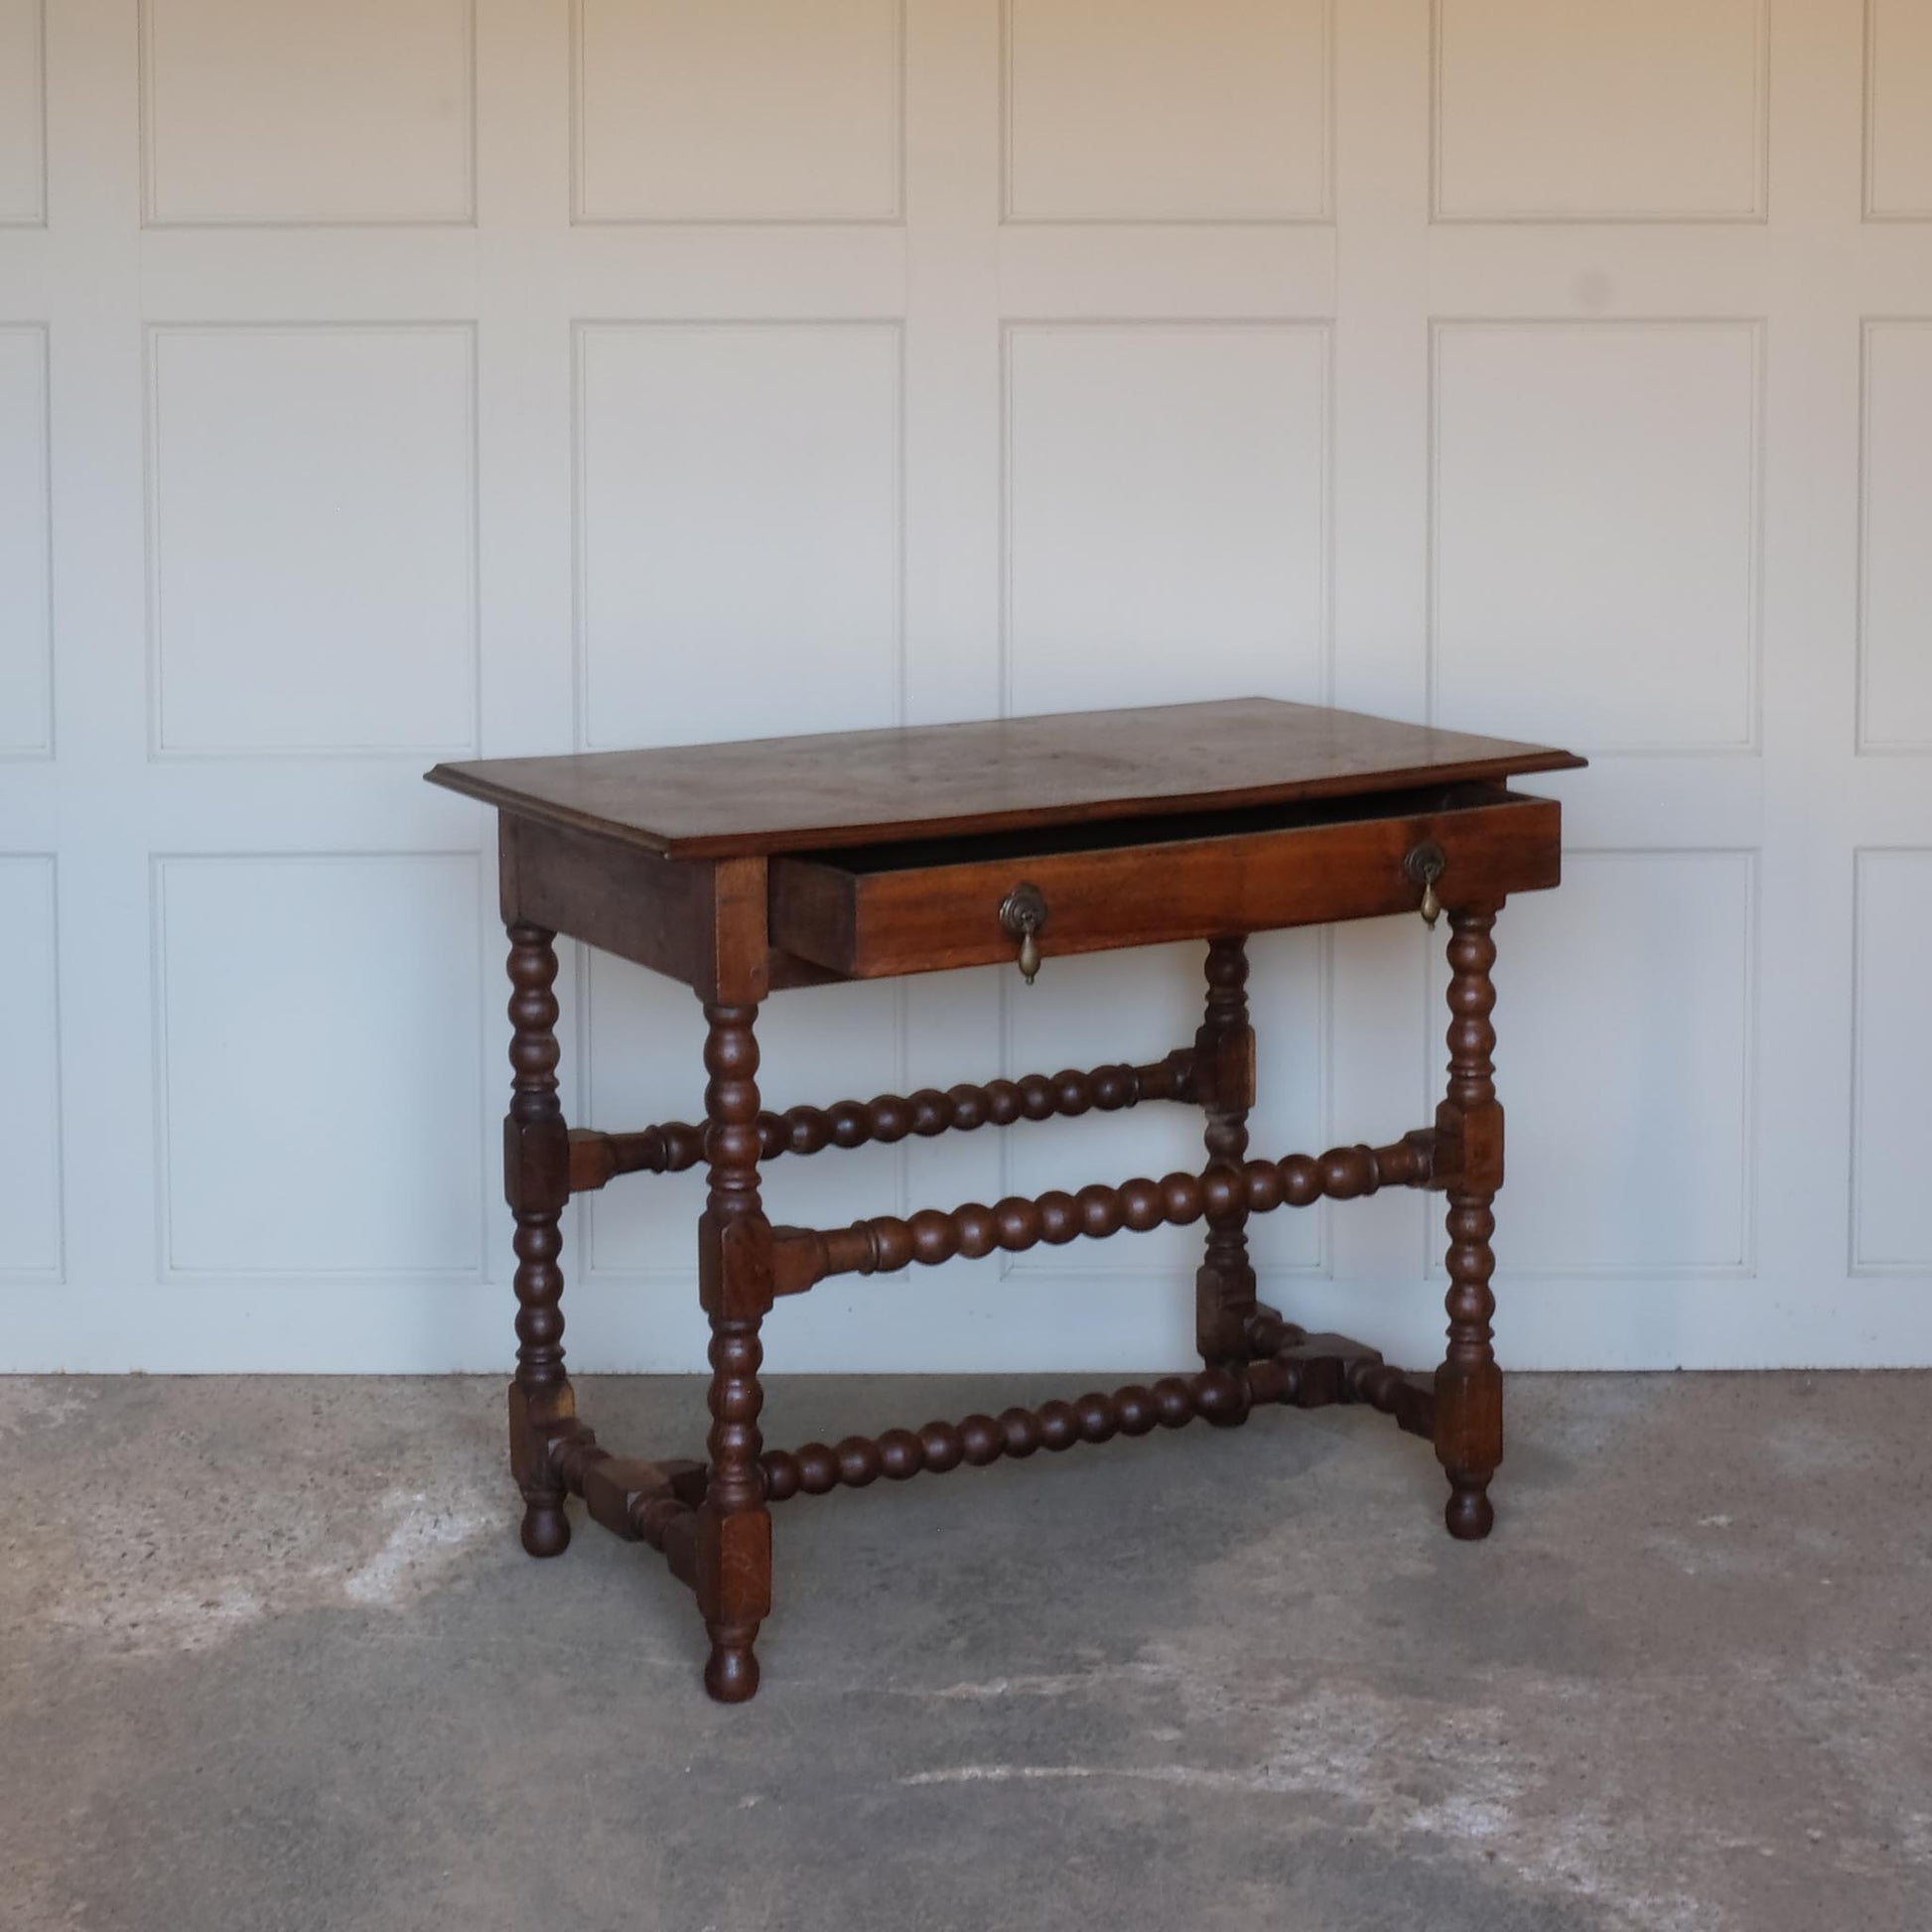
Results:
<point x="395" y="380"/>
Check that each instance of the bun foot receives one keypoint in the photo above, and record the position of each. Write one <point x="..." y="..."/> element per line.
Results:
<point x="546" y="1529"/>
<point x="731" y="1674"/>
<point x="1470" y="1513"/>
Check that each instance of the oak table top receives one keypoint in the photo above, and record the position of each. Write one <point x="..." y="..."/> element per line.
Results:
<point x="849" y="789"/>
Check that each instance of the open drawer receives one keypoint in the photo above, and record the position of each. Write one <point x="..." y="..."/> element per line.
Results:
<point x="873" y="912"/>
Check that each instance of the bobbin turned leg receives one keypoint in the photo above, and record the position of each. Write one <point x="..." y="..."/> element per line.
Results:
<point x="1224" y="1080"/>
<point x="735" y="1283"/>
<point x="536" y="1183"/>
<point x="1468" y="1384"/>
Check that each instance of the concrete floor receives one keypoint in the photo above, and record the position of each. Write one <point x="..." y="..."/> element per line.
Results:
<point x="273" y="1660"/>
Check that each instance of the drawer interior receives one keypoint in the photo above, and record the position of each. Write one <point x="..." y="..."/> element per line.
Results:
<point x="1114" y="834"/>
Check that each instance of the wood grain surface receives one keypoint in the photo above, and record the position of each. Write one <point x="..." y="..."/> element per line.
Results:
<point x="844" y="788"/>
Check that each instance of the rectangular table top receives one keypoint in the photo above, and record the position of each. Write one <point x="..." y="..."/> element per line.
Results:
<point x="850" y="789"/>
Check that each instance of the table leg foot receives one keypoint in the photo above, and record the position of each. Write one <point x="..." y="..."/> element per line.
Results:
<point x="536" y="1418"/>
<point x="731" y="1675"/>
<point x="546" y="1529"/>
<point x="1470" y="1513"/>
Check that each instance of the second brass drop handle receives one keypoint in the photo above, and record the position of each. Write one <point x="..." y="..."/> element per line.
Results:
<point x="1425" y="864"/>
<point x="1023" y="917"/>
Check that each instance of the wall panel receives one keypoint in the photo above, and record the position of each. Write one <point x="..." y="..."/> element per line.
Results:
<point x="1898" y="110"/>
<point x="279" y="111"/>
<point x="1895" y="603"/>
<point x="23" y="113"/>
<point x="1217" y="111"/>
<point x="1166" y="512"/>
<point x="316" y="1072"/>
<point x="29" y="1123"/>
<point x="1560" y="110"/>
<point x="750" y="110"/>
<point x="312" y="509"/>
<point x="1595" y="532"/>
<point x="25" y="581"/>
<point x="739" y="551"/>
<point x="1892" y="1066"/>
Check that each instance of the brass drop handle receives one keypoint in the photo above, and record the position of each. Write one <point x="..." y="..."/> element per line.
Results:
<point x="1023" y="917"/>
<point x="1424" y="864"/>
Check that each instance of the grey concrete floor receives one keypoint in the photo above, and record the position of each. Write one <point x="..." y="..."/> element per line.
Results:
<point x="272" y="1659"/>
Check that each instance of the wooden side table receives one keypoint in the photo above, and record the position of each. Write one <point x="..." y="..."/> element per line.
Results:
<point x="746" y="869"/>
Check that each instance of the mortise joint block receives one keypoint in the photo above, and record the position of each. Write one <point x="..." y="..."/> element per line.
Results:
<point x="536" y="1163"/>
<point x="1469" y="1147"/>
<point x="1223" y="1075"/>
<point x="734" y="1565"/>
<point x="537" y="1416"/>
<point x="735" y="1267"/>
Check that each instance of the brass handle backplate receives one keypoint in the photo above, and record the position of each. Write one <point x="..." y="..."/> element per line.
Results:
<point x="1023" y="917"/>
<point x="1425" y="864"/>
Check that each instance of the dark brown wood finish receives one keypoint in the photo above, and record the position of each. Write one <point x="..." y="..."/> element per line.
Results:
<point x="596" y="1158"/>
<point x="931" y="907"/>
<point x="735" y="1285"/>
<point x="852" y="788"/>
<point x="1224" y="1078"/>
<point x="536" y="1183"/>
<point x="747" y="869"/>
<point x="1302" y="1371"/>
<point x="1225" y="1190"/>
<point x="1470" y="1384"/>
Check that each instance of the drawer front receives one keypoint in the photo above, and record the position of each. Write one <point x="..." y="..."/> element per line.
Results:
<point x="870" y="924"/>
